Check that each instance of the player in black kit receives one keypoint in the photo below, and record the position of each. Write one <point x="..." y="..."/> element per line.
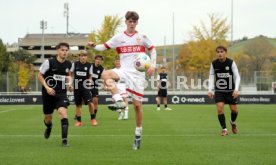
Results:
<point x="82" y="72"/>
<point x="97" y="72"/>
<point x="162" y="86"/>
<point x="54" y="75"/>
<point x="227" y="81"/>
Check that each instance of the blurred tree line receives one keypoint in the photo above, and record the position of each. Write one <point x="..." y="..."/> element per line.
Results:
<point x="17" y="64"/>
<point x="196" y="55"/>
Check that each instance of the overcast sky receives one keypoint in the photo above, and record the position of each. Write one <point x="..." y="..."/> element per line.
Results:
<point x="251" y="17"/>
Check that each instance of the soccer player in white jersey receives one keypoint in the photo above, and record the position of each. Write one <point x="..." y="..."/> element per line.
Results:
<point x="121" y="85"/>
<point x="129" y="45"/>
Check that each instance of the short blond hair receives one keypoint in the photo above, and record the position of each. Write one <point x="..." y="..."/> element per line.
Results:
<point x="82" y="52"/>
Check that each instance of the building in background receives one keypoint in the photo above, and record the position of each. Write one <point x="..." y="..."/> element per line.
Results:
<point x="33" y="44"/>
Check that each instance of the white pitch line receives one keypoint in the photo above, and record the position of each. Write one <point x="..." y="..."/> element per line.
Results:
<point x="26" y="108"/>
<point x="187" y="135"/>
<point x="8" y="110"/>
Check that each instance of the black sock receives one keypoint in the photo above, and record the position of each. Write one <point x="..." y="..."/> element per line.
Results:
<point x="48" y="125"/>
<point x="64" y="128"/>
<point x="158" y="105"/>
<point x="93" y="116"/>
<point x="95" y="113"/>
<point x="166" y="105"/>
<point x="234" y="116"/>
<point x="221" y="118"/>
<point x="137" y="137"/>
<point x="78" y="118"/>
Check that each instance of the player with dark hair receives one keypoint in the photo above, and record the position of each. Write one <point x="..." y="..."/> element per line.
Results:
<point x="162" y="86"/>
<point x="96" y="80"/>
<point x="82" y="72"/>
<point x="129" y="45"/>
<point x="54" y="74"/>
<point x="227" y="80"/>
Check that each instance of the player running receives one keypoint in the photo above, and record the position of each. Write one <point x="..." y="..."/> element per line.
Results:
<point x="227" y="81"/>
<point x="128" y="45"/>
<point x="53" y="75"/>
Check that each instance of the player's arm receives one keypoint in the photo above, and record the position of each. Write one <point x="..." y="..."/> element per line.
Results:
<point x="69" y="81"/>
<point x="211" y="82"/>
<point x="112" y="43"/>
<point x="153" y="54"/>
<point x="71" y="75"/>
<point x="158" y="82"/>
<point x="90" y="76"/>
<point x="168" y="82"/>
<point x="42" y="70"/>
<point x="237" y="79"/>
<point x="100" y="47"/>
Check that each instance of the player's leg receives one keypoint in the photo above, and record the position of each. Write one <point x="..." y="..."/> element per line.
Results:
<point x="234" y="112"/>
<point x="221" y="118"/>
<point x="78" y="103"/>
<point x="92" y="113"/>
<point x="109" y="76"/>
<point x="137" y="106"/>
<point x="88" y="100"/>
<point x="123" y="113"/>
<point x="126" y="108"/>
<point x="78" y="115"/>
<point x="62" y="105"/>
<point x="158" y="100"/>
<point x="95" y="102"/>
<point x="234" y="115"/>
<point x="220" y="101"/>
<point x="48" y="109"/>
<point x="165" y="100"/>
<point x="48" y="124"/>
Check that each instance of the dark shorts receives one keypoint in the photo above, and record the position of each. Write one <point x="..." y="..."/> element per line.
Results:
<point x="162" y="93"/>
<point x="82" y="95"/>
<point x="95" y="92"/>
<point x="225" y="97"/>
<point x="50" y="103"/>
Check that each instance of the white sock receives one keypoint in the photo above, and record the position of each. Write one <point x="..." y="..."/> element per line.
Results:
<point x="126" y="110"/>
<point x="117" y="97"/>
<point x="232" y="122"/>
<point x="138" y="131"/>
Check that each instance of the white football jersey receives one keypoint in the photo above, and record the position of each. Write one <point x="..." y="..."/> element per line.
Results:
<point x="128" y="47"/>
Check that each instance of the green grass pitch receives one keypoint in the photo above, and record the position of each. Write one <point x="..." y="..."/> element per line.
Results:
<point x="190" y="134"/>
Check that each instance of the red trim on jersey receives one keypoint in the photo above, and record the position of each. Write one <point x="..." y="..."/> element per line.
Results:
<point x="107" y="47"/>
<point x="130" y="35"/>
<point x="133" y="92"/>
<point x="130" y="49"/>
<point x="123" y="94"/>
<point x="150" y="48"/>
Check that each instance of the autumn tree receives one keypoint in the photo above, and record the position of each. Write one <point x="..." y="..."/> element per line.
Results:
<point x="259" y="51"/>
<point x="108" y="29"/>
<point x="23" y="63"/>
<point x="197" y="54"/>
<point x="5" y="61"/>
